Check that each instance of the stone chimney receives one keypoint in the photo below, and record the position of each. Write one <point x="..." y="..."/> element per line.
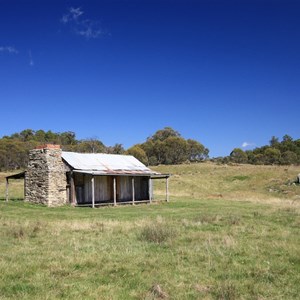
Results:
<point x="45" y="180"/>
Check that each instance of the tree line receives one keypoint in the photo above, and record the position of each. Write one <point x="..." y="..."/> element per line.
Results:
<point x="166" y="146"/>
<point x="284" y="152"/>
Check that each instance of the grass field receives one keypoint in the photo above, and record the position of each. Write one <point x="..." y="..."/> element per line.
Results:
<point x="229" y="232"/>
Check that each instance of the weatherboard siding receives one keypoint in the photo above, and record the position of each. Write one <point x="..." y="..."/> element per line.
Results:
<point x="103" y="188"/>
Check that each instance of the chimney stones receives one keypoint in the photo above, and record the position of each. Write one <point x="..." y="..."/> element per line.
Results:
<point x="45" y="179"/>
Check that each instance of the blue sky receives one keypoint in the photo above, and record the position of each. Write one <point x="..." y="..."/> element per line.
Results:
<point x="226" y="73"/>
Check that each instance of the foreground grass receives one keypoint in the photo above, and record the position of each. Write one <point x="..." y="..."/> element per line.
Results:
<point x="187" y="249"/>
<point x="229" y="232"/>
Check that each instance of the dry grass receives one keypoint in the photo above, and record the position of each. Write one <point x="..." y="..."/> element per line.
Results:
<point x="226" y="237"/>
<point x="237" y="182"/>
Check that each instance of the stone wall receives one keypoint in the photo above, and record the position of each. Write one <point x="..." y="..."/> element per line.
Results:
<point x="45" y="180"/>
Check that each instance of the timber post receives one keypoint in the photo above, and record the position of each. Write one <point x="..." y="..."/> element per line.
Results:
<point x="115" y="191"/>
<point x="93" y="191"/>
<point x="133" y="191"/>
<point x="72" y="189"/>
<point x="167" y="189"/>
<point x="6" y="192"/>
<point x="150" y="189"/>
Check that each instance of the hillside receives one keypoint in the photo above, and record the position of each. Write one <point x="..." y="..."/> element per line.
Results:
<point x="232" y="182"/>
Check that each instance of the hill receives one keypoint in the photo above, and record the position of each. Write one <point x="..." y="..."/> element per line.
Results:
<point x="233" y="182"/>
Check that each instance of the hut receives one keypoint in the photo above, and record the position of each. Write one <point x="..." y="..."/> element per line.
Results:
<point x="55" y="177"/>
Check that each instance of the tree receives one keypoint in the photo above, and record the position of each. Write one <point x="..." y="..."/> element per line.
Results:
<point x="238" y="156"/>
<point x="274" y="141"/>
<point x="175" y="149"/>
<point x="13" y="154"/>
<point x="90" y="146"/>
<point x="159" y="152"/>
<point x="148" y="147"/>
<point x="68" y="138"/>
<point x="287" y="139"/>
<point x="196" y="151"/>
<point x="116" y="149"/>
<point x="40" y="136"/>
<point x="288" y="158"/>
<point x="138" y="153"/>
<point x="166" y="146"/>
<point x="51" y="137"/>
<point x="272" y="155"/>
<point x="250" y="156"/>
<point x="163" y="134"/>
<point x="26" y="135"/>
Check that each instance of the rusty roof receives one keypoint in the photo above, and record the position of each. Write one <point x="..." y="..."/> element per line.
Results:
<point x="106" y="164"/>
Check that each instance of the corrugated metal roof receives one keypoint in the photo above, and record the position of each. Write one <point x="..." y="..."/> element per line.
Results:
<point x="100" y="163"/>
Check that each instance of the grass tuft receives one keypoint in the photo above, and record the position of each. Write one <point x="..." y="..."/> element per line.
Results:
<point x="158" y="233"/>
<point x="226" y="291"/>
<point x="24" y="230"/>
<point x="157" y="293"/>
<point x="238" y="177"/>
<point x="18" y="233"/>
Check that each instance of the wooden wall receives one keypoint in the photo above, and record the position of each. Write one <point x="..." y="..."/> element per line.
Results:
<point x="124" y="188"/>
<point x="141" y="186"/>
<point x="104" y="188"/>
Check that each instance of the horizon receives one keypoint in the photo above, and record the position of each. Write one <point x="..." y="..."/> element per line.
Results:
<point x="224" y="74"/>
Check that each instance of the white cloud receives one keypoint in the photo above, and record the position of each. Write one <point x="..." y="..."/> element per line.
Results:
<point x="13" y="50"/>
<point x="87" y="28"/>
<point x="246" y="144"/>
<point x="9" y="49"/>
<point x="76" y="12"/>
<point x="72" y="15"/>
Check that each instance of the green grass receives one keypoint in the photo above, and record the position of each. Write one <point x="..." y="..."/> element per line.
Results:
<point x="243" y="245"/>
